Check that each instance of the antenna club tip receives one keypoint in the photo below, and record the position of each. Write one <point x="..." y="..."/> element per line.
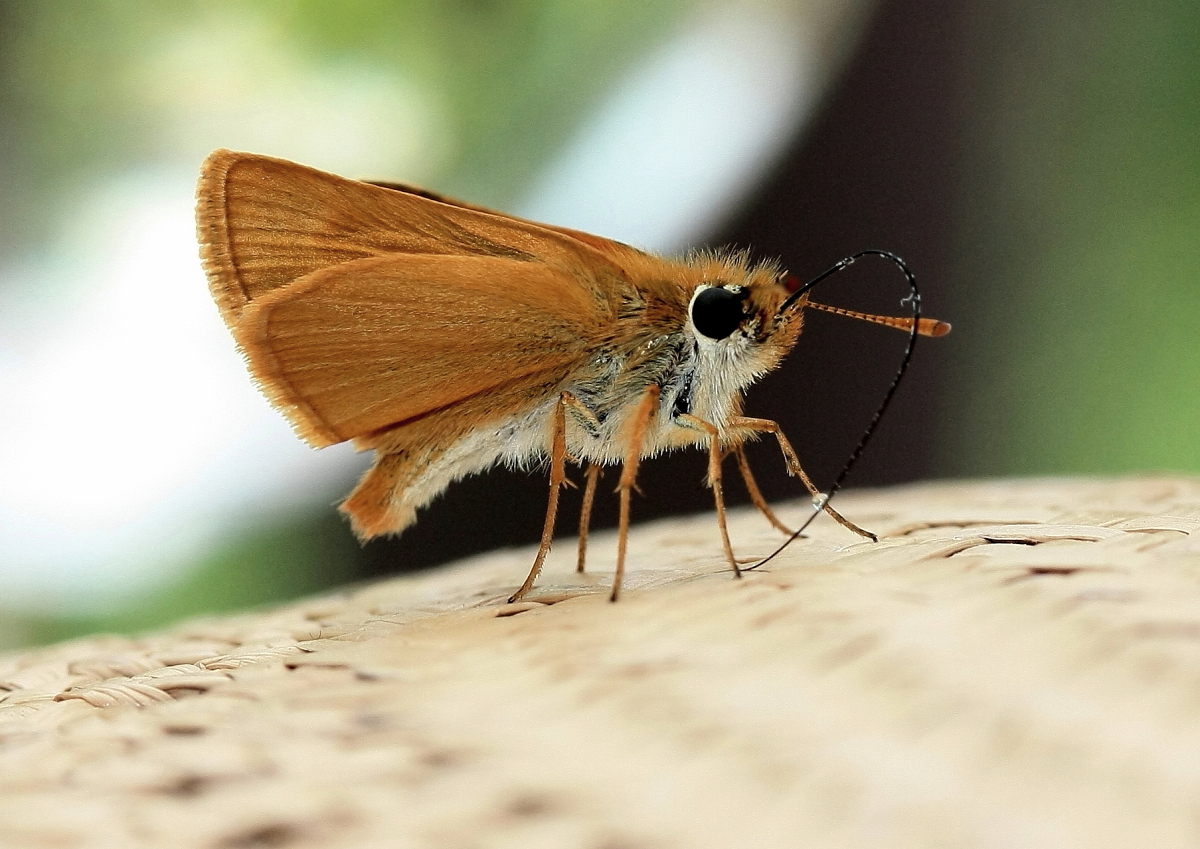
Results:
<point x="939" y="328"/>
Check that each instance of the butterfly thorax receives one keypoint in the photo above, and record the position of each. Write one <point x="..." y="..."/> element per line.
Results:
<point x="654" y="340"/>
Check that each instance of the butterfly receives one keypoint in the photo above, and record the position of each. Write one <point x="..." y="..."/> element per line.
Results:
<point x="447" y="338"/>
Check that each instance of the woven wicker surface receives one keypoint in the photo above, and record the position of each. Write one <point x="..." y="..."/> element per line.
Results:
<point x="1013" y="664"/>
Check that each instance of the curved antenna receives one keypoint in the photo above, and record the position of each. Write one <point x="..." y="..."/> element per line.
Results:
<point x="913" y="299"/>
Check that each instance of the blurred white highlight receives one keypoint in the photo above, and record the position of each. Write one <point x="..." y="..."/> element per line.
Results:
<point x="131" y="432"/>
<point x="678" y="143"/>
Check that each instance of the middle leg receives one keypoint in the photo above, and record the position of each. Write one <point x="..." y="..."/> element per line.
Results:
<point x="558" y="475"/>
<point x="714" y="479"/>
<point x="591" y="477"/>
<point x="633" y="454"/>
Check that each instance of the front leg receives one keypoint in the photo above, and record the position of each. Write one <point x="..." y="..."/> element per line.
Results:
<point x="793" y="466"/>
<point x="756" y="496"/>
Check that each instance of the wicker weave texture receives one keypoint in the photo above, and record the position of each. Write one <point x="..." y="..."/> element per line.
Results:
<point x="1015" y="663"/>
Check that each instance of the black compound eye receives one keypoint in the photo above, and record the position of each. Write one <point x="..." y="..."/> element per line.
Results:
<point x="717" y="312"/>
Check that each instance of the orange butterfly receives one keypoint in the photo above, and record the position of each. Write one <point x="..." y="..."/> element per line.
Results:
<point x="449" y="338"/>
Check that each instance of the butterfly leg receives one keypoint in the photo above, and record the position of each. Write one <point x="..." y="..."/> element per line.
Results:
<point x="793" y="466"/>
<point x="558" y="475"/>
<point x="714" y="478"/>
<point x="587" y="420"/>
<point x="633" y="453"/>
<point x="756" y="497"/>
<point x="591" y="477"/>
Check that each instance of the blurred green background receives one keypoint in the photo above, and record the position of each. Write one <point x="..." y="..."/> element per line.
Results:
<point x="490" y="88"/>
<point x="1037" y="163"/>
<point x="1079" y="234"/>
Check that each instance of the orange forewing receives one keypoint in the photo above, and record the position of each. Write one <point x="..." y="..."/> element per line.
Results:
<point x="264" y="223"/>
<point x="619" y="252"/>
<point x="337" y="292"/>
<point x="350" y="350"/>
